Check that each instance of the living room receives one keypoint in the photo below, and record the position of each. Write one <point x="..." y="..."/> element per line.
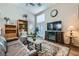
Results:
<point x="56" y="25"/>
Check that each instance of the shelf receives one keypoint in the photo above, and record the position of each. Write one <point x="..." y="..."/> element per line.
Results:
<point x="10" y="25"/>
<point x="22" y="24"/>
<point x="12" y="38"/>
<point x="10" y="31"/>
<point x="9" y="35"/>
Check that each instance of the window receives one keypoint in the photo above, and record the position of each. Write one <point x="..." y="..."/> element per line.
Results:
<point x="41" y="18"/>
<point x="41" y="25"/>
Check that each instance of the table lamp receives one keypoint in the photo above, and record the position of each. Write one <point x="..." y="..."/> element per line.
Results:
<point x="71" y="28"/>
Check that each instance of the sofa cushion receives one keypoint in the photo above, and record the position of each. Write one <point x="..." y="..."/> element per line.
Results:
<point x="2" y="45"/>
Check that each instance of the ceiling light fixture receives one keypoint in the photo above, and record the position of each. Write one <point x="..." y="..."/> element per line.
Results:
<point x="33" y="4"/>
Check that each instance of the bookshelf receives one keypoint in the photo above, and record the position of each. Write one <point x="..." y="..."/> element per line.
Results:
<point x="10" y="32"/>
<point x="22" y="24"/>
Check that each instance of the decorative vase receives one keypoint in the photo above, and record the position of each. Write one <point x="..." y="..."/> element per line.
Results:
<point x="34" y="39"/>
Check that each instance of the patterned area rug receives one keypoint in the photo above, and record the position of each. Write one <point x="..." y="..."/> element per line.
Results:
<point x="48" y="49"/>
<point x="52" y="49"/>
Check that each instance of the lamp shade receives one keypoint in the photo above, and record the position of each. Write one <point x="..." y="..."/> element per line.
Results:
<point x="71" y="28"/>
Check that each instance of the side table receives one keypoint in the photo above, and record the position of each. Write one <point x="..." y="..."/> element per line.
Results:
<point x="71" y="38"/>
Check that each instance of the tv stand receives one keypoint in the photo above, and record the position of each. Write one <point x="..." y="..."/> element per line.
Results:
<point x="54" y="36"/>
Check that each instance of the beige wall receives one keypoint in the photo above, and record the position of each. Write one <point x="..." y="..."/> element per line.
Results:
<point x="68" y="14"/>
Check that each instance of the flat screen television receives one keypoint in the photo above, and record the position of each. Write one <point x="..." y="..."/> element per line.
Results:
<point x="57" y="25"/>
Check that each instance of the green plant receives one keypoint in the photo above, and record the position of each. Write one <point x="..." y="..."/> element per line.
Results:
<point x="36" y="30"/>
<point x="25" y="15"/>
<point x="6" y="19"/>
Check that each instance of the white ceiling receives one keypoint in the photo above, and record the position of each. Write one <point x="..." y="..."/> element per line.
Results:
<point x="34" y="9"/>
<point x="31" y="9"/>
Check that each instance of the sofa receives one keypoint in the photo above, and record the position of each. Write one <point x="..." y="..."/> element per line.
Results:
<point x="3" y="48"/>
<point x="6" y="48"/>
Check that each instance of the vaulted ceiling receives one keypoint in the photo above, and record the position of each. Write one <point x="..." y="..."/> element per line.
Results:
<point x="16" y="10"/>
<point x="34" y="9"/>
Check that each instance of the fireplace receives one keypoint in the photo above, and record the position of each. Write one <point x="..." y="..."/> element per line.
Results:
<point x="51" y="36"/>
<point x="54" y="36"/>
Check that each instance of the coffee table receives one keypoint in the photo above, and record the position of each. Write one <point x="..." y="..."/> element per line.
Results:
<point x="37" y="42"/>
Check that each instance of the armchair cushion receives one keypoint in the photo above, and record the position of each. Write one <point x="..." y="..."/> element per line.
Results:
<point x="2" y="46"/>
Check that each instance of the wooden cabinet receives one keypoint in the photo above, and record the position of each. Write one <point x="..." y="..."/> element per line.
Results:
<point x="10" y="32"/>
<point x="22" y="24"/>
<point x="59" y="37"/>
<point x="55" y="36"/>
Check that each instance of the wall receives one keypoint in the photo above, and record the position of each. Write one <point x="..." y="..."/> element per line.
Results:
<point x="14" y="12"/>
<point x="68" y="14"/>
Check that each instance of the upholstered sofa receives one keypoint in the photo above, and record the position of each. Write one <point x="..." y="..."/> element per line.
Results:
<point x="6" y="49"/>
<point x="2" y="46"/>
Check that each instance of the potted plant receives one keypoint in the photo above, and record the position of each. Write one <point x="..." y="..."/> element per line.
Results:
<point x="6" y="19"/>
<point x="36" y="30"/>
<point x="25" y="16"/>
<point x="34" y="34"/>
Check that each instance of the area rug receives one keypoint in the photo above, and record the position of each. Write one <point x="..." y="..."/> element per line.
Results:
<point x="53" y="49"/>
<point x="48" y="49"/>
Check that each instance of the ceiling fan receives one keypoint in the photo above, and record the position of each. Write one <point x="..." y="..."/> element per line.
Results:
<point x="34" y="4"/>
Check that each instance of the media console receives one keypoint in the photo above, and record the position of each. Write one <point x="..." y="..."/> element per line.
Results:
<point x="54" y="36"/>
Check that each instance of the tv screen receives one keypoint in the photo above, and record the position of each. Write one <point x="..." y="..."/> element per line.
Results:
<point x="57" y="25"/>
<point x="50" y="26"/>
